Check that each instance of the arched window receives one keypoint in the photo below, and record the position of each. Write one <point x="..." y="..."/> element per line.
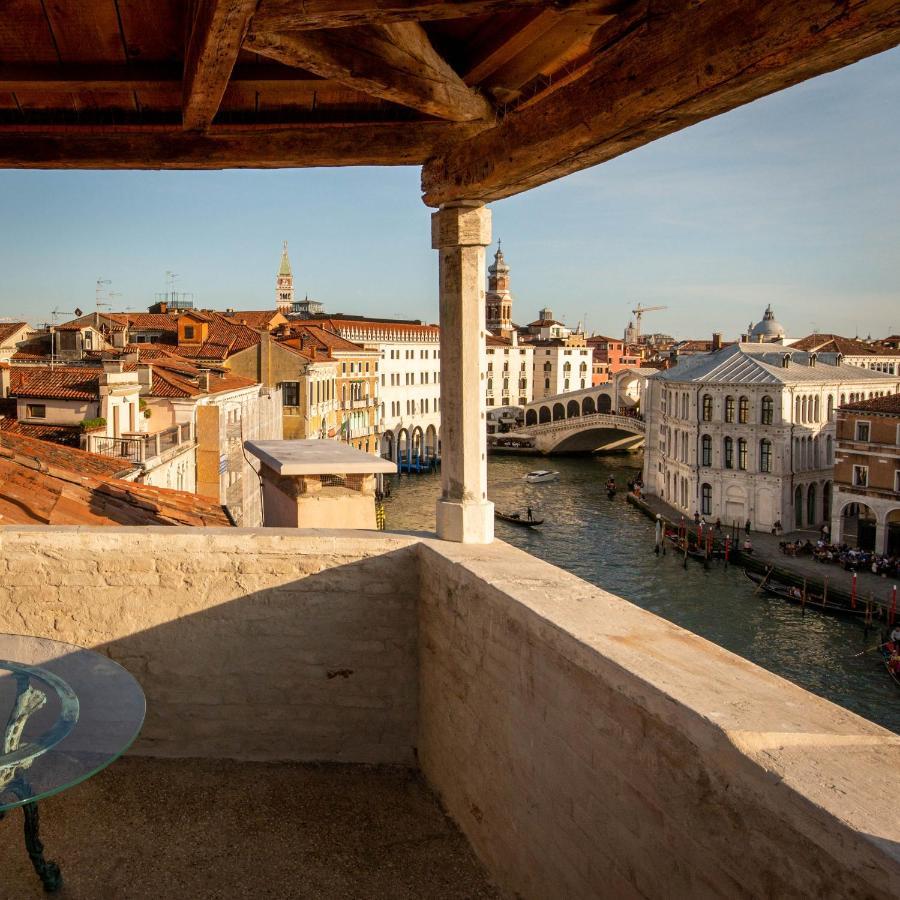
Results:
<point x="804" y="411"/>
<point x="765" y="455"/>
<point x="706" y="450"/>
<point x="767" y="411"/>
<point x="547" y="367"/>
<point x="797" y="411"/>
<point x="743" y="410"/>
<point x="729" y="409"/>
<point x="817" y="410"/>
<point x="728" y="453"/>
<point x="811" y="505"/>
<point x="829" y="450"/>
<point x="490" y="386"/>
<point x="830" y="407"/>
<point x="706" y="499"/>
<point x="567" y="367"/>
<point x="798" y="507"/>
<point x="742" y="454"/>
<point x="584" y="367"/>
<point x="707" y="408"/>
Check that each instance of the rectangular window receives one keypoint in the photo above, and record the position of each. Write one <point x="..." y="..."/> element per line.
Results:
<point x="862" y="431"/>
<point x="860" y="476"/>
<point x="743" y="410"/>
<point x="765" y="456"/>
<point x="742" y="454"/>
<point x="729" y="409"/>
<point x="707" y="408"/>
<point x="36" y="411"/>
<point x="188" y="332"/>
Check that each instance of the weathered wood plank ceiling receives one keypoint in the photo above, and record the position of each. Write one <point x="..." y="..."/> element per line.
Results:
<point x="492" y="96"/>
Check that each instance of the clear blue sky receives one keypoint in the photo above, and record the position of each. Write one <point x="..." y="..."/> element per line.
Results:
<point x="793" y="200"/>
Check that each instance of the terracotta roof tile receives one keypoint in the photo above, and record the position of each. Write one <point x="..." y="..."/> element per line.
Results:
<point x="889" y="404"/>
<point x="9" y="329"/>
<point x="39" y="485"/>
<point x="63" y="383"/>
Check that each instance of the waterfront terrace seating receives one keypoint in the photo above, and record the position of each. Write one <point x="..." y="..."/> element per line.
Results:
<point x="585" y="748"/>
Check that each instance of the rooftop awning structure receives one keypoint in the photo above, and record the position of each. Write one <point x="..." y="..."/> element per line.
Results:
<point x="491" y="96"/>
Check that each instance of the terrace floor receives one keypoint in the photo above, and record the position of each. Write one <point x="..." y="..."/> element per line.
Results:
<point x="152" y="828"/>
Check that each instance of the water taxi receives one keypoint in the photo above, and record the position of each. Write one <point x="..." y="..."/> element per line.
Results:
<point x="541" y="475"/>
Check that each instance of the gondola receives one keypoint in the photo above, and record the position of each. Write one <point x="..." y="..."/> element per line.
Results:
<point x="795" y="595"/>
<point x="517" y="519"/>
<point x="886" y="656"/>
<point x="695" y="552"/>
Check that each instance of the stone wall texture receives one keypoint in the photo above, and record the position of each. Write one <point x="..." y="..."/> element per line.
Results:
<point x="263" y="645"/>
<point x="590" y="749"/>
<point x="586" y="748"/>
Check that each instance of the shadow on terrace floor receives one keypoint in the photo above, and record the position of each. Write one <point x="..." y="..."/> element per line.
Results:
<point x="165" y="829"/>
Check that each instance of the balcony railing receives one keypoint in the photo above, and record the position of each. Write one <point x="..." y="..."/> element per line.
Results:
<point x="140" y="448"/>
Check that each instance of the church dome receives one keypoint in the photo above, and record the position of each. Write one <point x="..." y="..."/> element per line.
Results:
<point x="499" y="266"/>
<point x="768" y="329"/>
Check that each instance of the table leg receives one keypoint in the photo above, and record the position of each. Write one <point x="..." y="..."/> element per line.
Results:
<point x="47" y="870"/>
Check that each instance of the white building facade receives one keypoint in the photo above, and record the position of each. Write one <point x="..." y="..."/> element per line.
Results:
<point x="748" y="433"/>
<point x="509" y="372"/>
<point x="409" y="382"/>
<point x="561" y="366"/>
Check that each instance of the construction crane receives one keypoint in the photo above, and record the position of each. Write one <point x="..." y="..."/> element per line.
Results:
<point x="639" y="311"/>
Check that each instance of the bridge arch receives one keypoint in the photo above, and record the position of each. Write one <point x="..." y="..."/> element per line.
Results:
<point x="559" y="412"/>
<point x="531" y="417"/>
<point x="573" y="409"/>
<point x="544" y="415"/>
<point x="604" y="403"/>
<point x="588" y="407"/>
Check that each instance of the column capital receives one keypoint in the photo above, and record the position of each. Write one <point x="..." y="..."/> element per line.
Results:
<point x="461" y="225"/>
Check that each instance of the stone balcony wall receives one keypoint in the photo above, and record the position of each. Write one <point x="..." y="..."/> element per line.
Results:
<point x="585" y="747"/>
<point x="588" y="748"/>
<point x="259" y="645"/>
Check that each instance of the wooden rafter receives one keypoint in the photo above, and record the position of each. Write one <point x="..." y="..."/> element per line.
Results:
<point x="214" y="42"/>
<point x="222" y="147"/>
<point x="287" y="15"/>
<point x="30" y="78"/>
<point x="393" y="62"/>
<point x="683" y="63"/>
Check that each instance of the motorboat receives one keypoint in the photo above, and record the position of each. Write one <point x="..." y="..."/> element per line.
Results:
<point x="541" y="475"/>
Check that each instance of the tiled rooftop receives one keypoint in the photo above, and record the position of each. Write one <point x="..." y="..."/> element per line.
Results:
<point x="889" y="405"/>
<point x="9" y="329"/>
<point x="61" y="383"/>
<point x="45" y="483"/>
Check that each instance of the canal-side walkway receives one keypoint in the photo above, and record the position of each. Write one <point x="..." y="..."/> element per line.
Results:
<point x="790" y="569"/>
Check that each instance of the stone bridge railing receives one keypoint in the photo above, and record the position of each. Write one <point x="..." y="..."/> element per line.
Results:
<point x="624" y="423"/>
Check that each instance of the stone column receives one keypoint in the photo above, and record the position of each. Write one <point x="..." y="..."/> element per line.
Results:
<point x="460" y="232"/>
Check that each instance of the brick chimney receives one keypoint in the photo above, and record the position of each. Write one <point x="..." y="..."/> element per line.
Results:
<point x="717" y="340"/>
<point x="203" y="382"/>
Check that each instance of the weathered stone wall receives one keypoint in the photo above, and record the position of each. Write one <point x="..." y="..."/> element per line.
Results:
<point x="590" y="749"/>
<point x="266" y="645"/>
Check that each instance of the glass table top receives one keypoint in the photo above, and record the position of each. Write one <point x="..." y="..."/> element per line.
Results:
<point x="66" y="713"/>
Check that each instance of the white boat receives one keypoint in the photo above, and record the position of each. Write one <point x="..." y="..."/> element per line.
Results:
<point x="541" y="475"/>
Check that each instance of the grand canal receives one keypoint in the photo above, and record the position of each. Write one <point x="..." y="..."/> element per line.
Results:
<point x="610" y="544"/>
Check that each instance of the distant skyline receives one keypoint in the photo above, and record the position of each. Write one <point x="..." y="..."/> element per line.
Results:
<point x="792" y="200"/>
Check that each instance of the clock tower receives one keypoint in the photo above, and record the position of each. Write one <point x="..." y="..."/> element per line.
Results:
<point x="284" y="284"/>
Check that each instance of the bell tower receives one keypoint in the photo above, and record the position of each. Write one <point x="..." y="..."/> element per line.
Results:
<point x="284" y="284"/>
<point x="498" y="300"/>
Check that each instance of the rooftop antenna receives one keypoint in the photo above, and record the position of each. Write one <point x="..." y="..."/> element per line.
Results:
<point x="55" y="313"/>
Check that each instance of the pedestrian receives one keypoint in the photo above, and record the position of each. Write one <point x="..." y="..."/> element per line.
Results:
<point x="718" y="524"/>
<point x="826" y="532"/>
<point x="696" y="518"/>
<point x="747" y="526"/>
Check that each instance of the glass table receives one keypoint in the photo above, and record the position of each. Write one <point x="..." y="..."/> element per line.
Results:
<point x="68" y="714"/>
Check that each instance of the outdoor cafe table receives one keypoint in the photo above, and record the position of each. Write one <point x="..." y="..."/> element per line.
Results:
<point x="68" y="713"/>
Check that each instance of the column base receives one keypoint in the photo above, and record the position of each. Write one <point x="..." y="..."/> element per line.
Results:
<point x="465" y="523"/>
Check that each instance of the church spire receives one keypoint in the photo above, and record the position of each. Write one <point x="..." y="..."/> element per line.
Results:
<point x="284" y="284"/>
<point x="498" y="300"/>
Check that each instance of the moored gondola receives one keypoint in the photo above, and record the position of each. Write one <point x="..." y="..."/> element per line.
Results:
<point x="517" y="519"/>
<point x="891" y="661"/>
<point x="794" y="594"/>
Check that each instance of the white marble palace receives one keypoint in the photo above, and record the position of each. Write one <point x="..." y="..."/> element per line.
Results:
<point x="747" y="432"/>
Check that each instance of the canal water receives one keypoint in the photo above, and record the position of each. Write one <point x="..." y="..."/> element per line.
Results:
<point x="610" y="544"/>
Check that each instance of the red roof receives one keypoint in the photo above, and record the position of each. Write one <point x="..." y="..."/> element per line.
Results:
<point x="10" y="329"/>
<point x="70" y="435"/>
<point x="43" y="483"/>
<point x="62" y="383"/>
<point x="256" y="318"/>
<point x="890" y="405"/>
<point x="400" y="328"/>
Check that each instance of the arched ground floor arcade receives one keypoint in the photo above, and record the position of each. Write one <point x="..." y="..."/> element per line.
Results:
<point x="866" y="521"/>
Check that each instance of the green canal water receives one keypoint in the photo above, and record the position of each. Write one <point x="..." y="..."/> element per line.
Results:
<point x="610" y="544"/>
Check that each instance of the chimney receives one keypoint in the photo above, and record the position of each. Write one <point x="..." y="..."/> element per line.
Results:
<point x="717" y="340"/>
<point x="785" y="360"/>
<point x="163" y="308"/>
<point x="813" y="358"/>
<point x="145" y="376"/>
<point x="203" y="382"/>
<point x="113" y="366"/>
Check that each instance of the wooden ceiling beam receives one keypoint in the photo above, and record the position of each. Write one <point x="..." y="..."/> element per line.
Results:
<point x="224" y="147"/>
<point x="290" y="15"/>
<point x="682" y="63"/>
<point x="30" y="79"/>
<point x="214" y="42"/>
<point x="393" y="62"/>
